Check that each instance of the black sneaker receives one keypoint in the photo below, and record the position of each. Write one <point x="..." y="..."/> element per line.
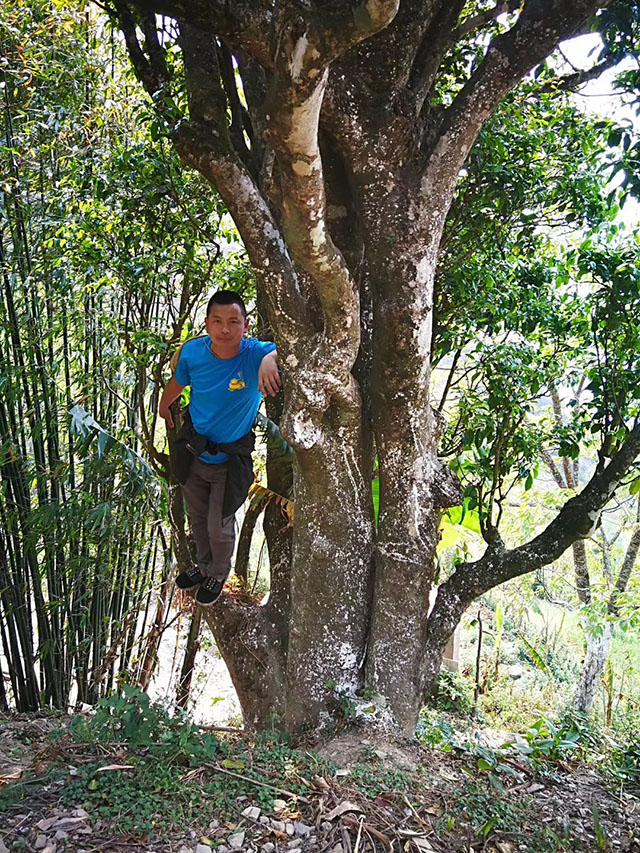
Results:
<point x="190" y="578"/>
<point x="209" y="592"/>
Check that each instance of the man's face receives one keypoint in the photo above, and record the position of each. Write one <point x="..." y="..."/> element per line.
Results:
<point x="225" y="325"/>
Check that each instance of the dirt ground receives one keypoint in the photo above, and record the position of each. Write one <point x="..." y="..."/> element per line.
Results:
<point x="339" y="814"/>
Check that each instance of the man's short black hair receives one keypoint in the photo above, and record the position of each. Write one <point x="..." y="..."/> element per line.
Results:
<point x="227" y="297"/>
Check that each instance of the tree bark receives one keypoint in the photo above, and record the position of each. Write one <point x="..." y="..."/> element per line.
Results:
<point x="593" y="666"/>
<point x="331" y="575"/>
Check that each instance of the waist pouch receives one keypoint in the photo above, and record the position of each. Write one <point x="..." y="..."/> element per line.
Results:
<point x="188" y="444"/>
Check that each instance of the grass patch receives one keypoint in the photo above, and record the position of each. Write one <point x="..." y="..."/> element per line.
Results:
<point x="490" y="818"/>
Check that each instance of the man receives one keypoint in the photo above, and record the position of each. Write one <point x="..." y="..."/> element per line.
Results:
<point x="227" y="373"/>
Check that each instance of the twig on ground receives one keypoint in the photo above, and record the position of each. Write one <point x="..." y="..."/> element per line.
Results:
<point x="233" y="729"/>
<point x="256" y="782"/>
<point x="353" y="823"/>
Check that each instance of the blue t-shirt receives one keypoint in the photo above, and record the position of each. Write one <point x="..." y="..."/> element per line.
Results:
<point x="224" y="391"/>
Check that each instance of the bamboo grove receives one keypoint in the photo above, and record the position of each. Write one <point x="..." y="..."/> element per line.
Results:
<point x="100" y="270"/>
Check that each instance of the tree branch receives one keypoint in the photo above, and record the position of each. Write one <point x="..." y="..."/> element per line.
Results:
<point x="476" y="22"/>
<point x="628" y="564"/>
<point x="249" y="24"/>
<point x="238" y="122"/>
<point x="570" y="82"/>
<point x="574" y="521"/>
<point x="307" y="44"/>
<point x="553" y="468"/>
<point x="541" y="25"/>
<point x="151" y="73"/>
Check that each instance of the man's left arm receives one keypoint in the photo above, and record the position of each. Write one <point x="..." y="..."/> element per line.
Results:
<point x="269" y="381"/>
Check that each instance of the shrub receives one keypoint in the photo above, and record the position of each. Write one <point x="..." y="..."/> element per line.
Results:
<point x="454" y="692"/>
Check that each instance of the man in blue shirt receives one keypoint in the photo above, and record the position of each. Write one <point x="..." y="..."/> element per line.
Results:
<point x="227" y="373"/>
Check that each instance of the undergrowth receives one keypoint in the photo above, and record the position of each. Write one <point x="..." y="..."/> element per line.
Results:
<point x="167" y="772"/>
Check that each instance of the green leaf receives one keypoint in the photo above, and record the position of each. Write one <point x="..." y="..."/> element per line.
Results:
<point x="375" y="494"/>
<point x="105" y="443"/>
<point x="534" y="654"/>
<point x="232" y="764"/>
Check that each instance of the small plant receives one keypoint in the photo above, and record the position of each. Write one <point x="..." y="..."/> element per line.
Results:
<point x="346" y="704"/>
<point x="129" y="717"/>
<point x="624" y="762"/>
<point x="454" y="692"/>
<point x="546" y="742"/>
<point x="494" y="764"/>
<point x="432" y="730"/>
<point x="490" y="815"/>
<point x="373" y="780"/>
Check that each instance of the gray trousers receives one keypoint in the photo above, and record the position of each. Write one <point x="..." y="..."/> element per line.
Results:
<point x="214" y="536"/>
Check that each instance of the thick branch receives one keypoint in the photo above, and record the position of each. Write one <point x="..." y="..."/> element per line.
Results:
<point x="439" y="37"/>
<point x="239" y="118"/>
<point x="249" y="24"/>
<point x="205" y="144"/>
<point x="151" y="73"/>
<point x="574" y="521"/>
<point x="541" y="25"/>
<point x="308" y="43"/>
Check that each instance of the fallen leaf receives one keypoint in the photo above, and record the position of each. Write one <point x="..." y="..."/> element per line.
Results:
<point x="321" y="783"/>
<point x="11" y="776"/>
<point x="46" y="823"/>
<point x="436" y="810"/>
<point x="232" y="764"/>
<point x="422" y="845"/>
<point x="344" y="807"/>
<point x="504" y="847"/>
<point x="115" y="767"/>
<point x="68" y="822"/>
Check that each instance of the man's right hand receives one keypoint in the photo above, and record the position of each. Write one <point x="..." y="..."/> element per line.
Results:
<point x="165" y="414"/>
<point x="172" y="391"/>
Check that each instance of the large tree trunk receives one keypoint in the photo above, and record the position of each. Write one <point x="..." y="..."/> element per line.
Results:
<point x="331" y="578"/>
<point x="414" y="484"/>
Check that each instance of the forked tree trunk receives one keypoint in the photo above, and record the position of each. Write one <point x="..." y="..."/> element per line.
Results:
<point x="598" y="643"/>
<point x="362" y="76"/>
